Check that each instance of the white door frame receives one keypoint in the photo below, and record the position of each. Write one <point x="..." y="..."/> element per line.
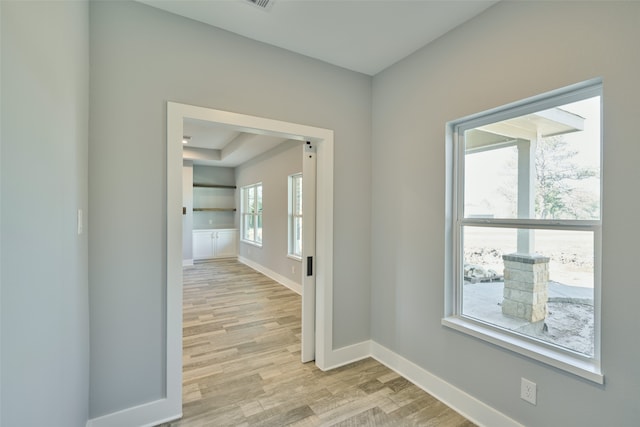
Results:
<point x="323" y="263"/>
<point x="308" y="341"/>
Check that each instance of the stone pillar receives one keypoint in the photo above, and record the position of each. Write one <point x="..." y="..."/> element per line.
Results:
<point x="526" y="279"/>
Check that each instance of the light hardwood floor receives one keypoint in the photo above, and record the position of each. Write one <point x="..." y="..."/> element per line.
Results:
<point x="241" y="354"/>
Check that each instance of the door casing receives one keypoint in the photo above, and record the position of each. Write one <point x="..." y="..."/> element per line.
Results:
<point x="323" y="257"/>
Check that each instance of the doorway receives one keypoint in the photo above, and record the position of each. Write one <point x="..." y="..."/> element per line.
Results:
<point x="317" y="259"/>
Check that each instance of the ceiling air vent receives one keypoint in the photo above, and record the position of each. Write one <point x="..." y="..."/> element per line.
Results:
<point x="262" y="4"/>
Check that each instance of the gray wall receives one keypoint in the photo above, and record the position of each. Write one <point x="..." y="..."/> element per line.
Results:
<point x="44" y="285"/>
<point x="138" y="57"/>
<point x="494" y="59"/>
<point x="512" y="51"/>
<point x="273" y="169"/>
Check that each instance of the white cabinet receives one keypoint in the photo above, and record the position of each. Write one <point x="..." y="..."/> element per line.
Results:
<point x="225" y="243"/>
<point x="220" y="243"/>
<point x="202" y="244"/>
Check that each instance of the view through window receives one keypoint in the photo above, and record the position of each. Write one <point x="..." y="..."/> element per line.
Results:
<point x="295" y="215"/>
<point x="528" y="218"/>
<point x="251" y="212"/>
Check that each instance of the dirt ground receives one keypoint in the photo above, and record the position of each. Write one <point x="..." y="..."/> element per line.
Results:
<point x="569" y="325"/>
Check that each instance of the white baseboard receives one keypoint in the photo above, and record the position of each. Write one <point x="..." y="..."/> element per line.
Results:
<point x="187" y="262"/>
<point x="465" y="404"/>
<point x="349" y="354"/>
<point x="295" y="287"/>
<point x="137" y="416"/>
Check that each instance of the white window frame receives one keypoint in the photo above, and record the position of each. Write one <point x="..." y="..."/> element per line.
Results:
<point x="295" y="181"/>
<point x="257" y="214"/>
<point x="575" y="363"/>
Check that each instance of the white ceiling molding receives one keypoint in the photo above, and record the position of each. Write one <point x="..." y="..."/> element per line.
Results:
<point x="214" y="145"/>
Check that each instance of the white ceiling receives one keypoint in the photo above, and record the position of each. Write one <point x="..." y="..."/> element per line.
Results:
<point x="365" y="36"/>
<point x="216" y="145"/>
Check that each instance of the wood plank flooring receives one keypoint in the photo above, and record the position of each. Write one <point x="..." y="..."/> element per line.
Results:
<point x="241" y="355"/>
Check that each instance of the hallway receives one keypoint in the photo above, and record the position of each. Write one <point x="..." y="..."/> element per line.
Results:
<point x="242" y="363"/>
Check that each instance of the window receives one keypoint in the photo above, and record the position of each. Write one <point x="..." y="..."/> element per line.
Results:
<point x="295" y="216"/>
<point x="251" y="213"/>
<point x="524" y="242"/>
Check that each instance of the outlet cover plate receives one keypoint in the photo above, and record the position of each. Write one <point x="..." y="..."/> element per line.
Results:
<point x="528" y="390"/>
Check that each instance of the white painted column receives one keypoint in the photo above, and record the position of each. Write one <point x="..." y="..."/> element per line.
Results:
<point x="526" y="191"/>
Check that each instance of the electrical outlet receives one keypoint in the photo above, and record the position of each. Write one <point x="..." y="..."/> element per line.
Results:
<point x="528" y="390"/>
<point x="293" y="269"/>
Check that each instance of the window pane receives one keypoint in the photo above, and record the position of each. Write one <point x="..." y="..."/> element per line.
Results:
<point x="543" y="165"/>
<point x="546" y="294"/>
<point x="248" y="227"/>
<point x="251" y="200"/>
<point x="490" y="182"/>
<point x="258" y="229"/>
<point x="297" y="236"/>
<point x="259" y="198"/>
<point x="297" y="210"/>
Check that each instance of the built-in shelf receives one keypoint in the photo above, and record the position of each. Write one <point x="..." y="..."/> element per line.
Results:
<point x="214" y="209"/>
<point x="221" y="186"/>
<point x="213" y="185"/>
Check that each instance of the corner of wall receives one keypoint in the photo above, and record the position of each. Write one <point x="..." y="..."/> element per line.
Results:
<point x="478" y="412"/>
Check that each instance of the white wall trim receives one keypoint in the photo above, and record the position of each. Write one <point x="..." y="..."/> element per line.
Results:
<point x="478" y="412"/>
<point x="285" y="281"/>
<point x="467" y="405"/>
<point x="187" y="262"/>
<point x="349" y="354"/>
<point x="137" y="416"/>
<point x="473" y="409"/>
<point x="323" y="138"/>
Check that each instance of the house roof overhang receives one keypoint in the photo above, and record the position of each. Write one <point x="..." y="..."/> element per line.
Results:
<point x="530" y="127"/>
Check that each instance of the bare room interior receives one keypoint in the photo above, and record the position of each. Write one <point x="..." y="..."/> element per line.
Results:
<point x="461" y="251"/>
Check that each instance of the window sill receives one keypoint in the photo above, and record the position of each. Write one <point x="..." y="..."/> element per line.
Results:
<point x="581" y="366"/>
<point x="294" y="257"/>
<point x="249" y="242"/>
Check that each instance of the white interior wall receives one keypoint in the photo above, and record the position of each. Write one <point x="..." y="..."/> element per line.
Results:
<point x="512" y="51"/>
<point x="44" y="285"/>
